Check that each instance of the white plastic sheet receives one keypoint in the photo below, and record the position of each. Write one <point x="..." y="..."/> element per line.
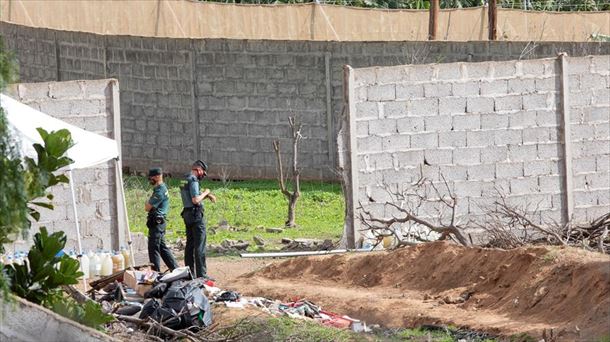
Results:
<point x="90" y="149"/>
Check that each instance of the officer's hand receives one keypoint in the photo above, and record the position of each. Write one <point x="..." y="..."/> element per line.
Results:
<point x="212" y="197"/>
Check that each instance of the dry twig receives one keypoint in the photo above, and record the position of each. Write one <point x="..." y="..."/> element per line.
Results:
<point x="411" y="200"/>
<point x="510" y="226"/>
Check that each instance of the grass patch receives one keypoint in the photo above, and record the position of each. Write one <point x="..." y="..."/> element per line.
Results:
<point x="288" y="329"/>
<point x="249" y="207"/>
<point x="419" y="334"/>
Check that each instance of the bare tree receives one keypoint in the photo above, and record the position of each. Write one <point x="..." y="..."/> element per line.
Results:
<point x="293" y="196"/>
<point x="411" y="200"/>
<point x="225" y="176"/>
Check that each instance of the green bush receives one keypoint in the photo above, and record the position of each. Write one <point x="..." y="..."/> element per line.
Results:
<point x="44" y="272"/>
<point x="40" y="279"/>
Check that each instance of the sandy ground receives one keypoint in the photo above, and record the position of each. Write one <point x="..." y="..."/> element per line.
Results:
<point x="225" y="270"/>
<point x="526" y="290"/>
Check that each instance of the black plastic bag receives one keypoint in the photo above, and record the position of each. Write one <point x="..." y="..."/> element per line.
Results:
<point x="157" y="291"/>
<point x="183" y="306"/>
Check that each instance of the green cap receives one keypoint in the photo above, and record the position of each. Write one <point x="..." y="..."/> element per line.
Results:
<point x="201" y="164"/>
<point x="155" y="171"/>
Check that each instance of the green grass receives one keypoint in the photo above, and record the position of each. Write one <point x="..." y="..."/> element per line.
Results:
<point x="249" y="207"/>
<point x="419" y="334"/>
<point x="288" y="329"/>
<point x="604" y="338"/>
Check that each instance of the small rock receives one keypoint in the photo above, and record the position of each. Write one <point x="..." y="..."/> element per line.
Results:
<point x="241" y="246"/>
<point x="217" y="249"/>
<point x="258" y="240"/>
<point x="223" y="224"/>
<point x="452" y="299"/>
<point x="427" y="296"/>
<point x="542" y="291"/>
<point x="228" y="243"/>
<point x="327" y="245"/>
<point x="274" y="230"/>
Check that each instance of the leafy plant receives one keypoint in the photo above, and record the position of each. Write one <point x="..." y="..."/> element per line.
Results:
<point x="44" y="272"/>
<point x="41" y="172"/>
<point x="89" y="313"/>
<point x="41" y="278"/>
<point x="8" y="67"/>
<point x="13" y="196"/>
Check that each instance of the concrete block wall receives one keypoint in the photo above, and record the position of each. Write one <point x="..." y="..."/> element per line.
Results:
<point x="226" y="100"/>
<point x="88" y="105"/>
<point x="484" y="126"/>
<point x="157" y="97"/>
<point x="246" y="91"/>
<point x="589" y="85"/>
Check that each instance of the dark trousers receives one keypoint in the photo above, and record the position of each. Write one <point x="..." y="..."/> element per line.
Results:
<point x="157" y="246"/>
<point x="194" y="254"/>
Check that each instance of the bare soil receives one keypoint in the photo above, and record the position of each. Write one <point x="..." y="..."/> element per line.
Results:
<point x="525" y="290"/>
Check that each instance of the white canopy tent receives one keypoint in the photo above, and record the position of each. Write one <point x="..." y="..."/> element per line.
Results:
<point x="90" y="149"/>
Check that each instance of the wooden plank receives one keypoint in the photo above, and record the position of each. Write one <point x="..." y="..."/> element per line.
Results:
<point x="433" y="19"/>
<point x="493" y="19"/>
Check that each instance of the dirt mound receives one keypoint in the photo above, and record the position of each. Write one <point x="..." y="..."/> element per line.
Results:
<point x="506" y="292"/>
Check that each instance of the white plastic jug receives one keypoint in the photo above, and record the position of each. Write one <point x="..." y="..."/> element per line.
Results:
<point x="95" y="265"/>
<point x="106" y="265"/>
<point x="126" y="257"/>
<point x="84" y="265"/>
<point x="117" y="262"/>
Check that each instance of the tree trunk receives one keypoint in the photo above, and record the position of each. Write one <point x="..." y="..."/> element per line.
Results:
<point x="292" y="204"/>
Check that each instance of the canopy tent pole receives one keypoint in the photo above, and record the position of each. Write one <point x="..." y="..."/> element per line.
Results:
<point x="80" y="246"/>
<point x="119" y="176"/>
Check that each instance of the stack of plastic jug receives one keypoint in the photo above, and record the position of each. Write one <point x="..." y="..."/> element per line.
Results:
<point x="100" y="263"/>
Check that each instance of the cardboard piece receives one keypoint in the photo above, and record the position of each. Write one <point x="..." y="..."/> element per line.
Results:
<point x="140" y="281"/>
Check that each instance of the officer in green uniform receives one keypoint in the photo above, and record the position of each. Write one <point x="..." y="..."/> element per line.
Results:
<point x="157" y="206"/>
<point x="194" y="219"/>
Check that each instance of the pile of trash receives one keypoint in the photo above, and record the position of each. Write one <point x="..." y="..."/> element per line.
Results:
<point x="300" y="309"/>
<point x="173" y="300"/>
<point x="175" y="303"/>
